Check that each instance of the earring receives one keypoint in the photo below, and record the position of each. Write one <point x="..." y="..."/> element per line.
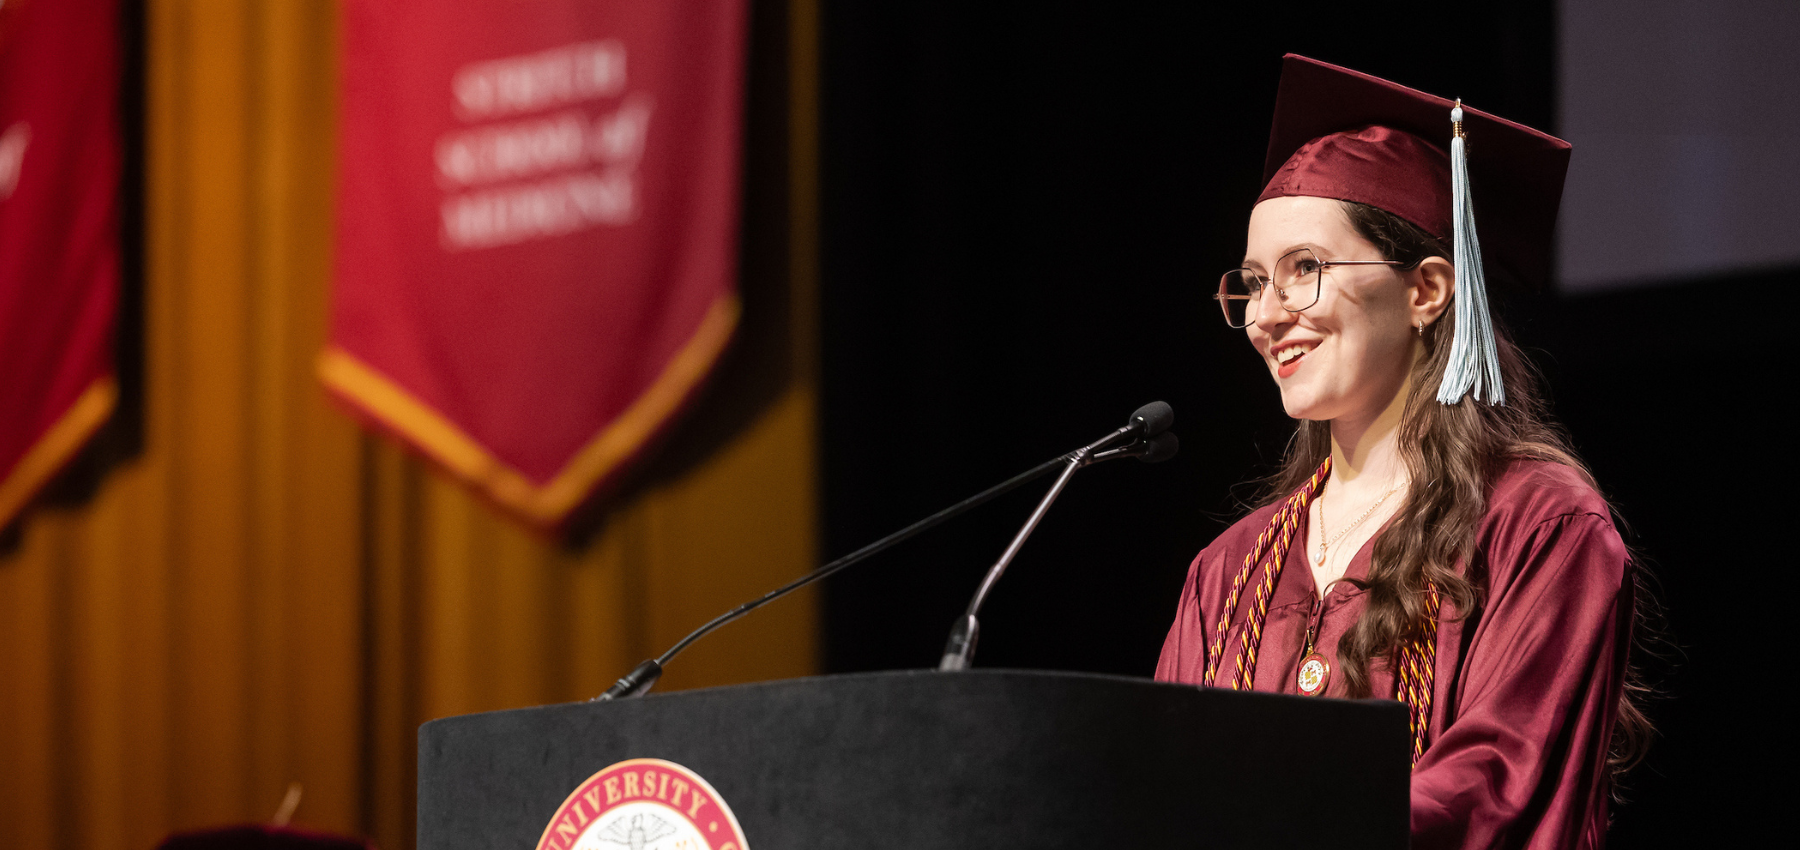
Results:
<point x="1421" y="329"/>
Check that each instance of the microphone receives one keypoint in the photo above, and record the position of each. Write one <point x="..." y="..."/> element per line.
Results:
<point x="1150" y="425"/>
<point x="1154" y="450"/>
<point x="1151" y="419"/>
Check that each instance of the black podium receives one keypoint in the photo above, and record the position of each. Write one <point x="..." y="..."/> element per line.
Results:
<point x="923" y="759"/>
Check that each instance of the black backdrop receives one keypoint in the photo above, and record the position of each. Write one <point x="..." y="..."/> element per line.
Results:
<point x="1025" y="207"/>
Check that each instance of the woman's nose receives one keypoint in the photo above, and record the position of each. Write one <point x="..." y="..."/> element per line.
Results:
<point x="1266" y="311"/>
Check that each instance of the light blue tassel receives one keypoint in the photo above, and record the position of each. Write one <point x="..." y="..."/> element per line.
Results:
<point x="1474" y="357"/>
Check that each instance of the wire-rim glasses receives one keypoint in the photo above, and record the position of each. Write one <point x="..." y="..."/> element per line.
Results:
<point x="1298" y="277"/>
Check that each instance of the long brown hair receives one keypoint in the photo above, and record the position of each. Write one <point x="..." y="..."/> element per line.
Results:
<point x="1457" y="450"/>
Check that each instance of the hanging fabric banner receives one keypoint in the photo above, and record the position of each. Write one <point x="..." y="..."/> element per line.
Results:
<point x="59" y="235"/>
<point x="537" y="217"/>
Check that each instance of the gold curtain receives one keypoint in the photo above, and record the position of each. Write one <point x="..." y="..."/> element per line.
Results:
<point x="264" y="594"/>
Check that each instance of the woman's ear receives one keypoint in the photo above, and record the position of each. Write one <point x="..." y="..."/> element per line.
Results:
<point x="1432" y="288"/>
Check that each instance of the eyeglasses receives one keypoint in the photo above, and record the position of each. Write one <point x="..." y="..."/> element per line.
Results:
<point x="1297" y="281"/>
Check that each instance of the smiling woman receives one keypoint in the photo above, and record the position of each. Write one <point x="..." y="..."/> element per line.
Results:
<point x="1447" y="547"/>
<point x="1357" y="342"/>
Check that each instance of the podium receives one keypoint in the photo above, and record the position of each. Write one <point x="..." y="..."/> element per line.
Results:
<point x="922" y="759"/>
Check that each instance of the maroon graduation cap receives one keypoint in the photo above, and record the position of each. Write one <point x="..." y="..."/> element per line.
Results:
<point x="1346" y="135"/>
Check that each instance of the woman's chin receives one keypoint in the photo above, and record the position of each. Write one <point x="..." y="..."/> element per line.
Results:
<point x="1303" y="406"/>
<point x="1296" y="406"/>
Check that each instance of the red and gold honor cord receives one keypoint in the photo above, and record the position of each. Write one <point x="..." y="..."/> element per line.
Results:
<point x="1418" y="657"/>
<point x="1417" y="654"/>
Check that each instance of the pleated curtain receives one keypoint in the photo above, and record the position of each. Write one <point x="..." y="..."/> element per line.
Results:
<point x="264" y="594"/>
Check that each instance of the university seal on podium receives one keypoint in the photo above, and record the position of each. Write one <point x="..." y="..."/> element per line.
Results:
<point x="643" y="804"/>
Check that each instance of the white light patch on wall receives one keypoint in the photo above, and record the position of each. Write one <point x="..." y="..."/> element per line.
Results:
<point x="1685" y="117"/>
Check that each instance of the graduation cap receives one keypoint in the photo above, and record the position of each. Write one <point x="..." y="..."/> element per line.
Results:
<point x="1346" y="135"/>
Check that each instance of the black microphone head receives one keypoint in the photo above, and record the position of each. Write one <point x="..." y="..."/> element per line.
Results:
<point x="1156" y="417"/>
<point x="1161" y="447"/>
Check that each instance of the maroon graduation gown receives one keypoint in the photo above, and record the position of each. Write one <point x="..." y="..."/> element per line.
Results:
<point x="1524" y="691"/>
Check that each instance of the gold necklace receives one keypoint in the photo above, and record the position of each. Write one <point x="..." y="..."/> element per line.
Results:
<point x="1323" y="543"/>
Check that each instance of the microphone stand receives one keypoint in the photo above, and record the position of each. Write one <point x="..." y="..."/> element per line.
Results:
<point x="644" y="676"/>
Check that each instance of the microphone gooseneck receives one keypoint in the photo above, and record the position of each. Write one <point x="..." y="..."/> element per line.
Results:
<point x="1149" y="424"/>
<point x="1150" y="444"/>
<point x="645" y="675"/>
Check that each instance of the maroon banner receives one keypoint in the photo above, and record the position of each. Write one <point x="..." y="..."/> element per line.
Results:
<point x="59" y="234"/>
<point x="537" y="230"/>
